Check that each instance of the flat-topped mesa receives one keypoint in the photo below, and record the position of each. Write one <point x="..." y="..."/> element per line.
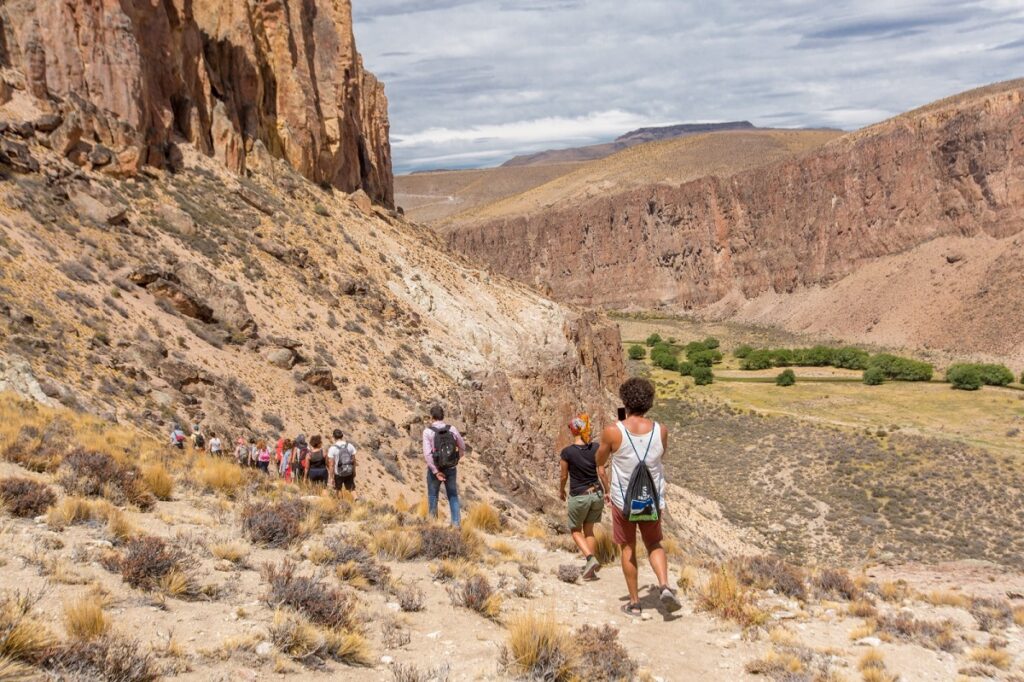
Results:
<point x="954" y="168"/>
<point x="137" y="76"/>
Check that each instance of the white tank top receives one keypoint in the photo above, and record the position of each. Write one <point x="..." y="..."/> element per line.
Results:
<point x="625" y="459"/>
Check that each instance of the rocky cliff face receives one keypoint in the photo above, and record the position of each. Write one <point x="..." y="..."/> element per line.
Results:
<point x="236" y="79"/>
<point x="952" y="169"/>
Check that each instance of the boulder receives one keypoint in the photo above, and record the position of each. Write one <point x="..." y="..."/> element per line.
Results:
<point x="225" y="300"/>
<point x="320" y="377"/>
<point x="47" y="123"/>
<point x="280" y="357"/>
<point x="177" y="219"/>
<point x="362" y="201"/>
<point x="17" y="156"/>
<point x="99" y="156"/>
<point x="102" y="211"/>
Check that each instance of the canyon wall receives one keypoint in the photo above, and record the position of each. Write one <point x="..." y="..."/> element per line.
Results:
<point x="951" y="169"/>
<point x="139" y="76"/>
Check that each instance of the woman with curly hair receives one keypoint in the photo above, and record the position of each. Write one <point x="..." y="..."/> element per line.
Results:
<point x="630" y="445"/>
<point x="586" y="491"/>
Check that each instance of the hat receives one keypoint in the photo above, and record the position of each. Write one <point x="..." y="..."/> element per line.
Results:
<point x="580" y="426"/>
<point x="300" y="440"/>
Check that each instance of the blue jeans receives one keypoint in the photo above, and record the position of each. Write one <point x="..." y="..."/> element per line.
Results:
<point x="451" y="491"/>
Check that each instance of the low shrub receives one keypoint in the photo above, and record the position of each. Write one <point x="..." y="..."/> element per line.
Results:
<point x="475" y="593"/>
<point x="938" y="635"/>
<point x="703" y="376"/>
<point x="637" y="352"/>
<point x="902" y="369"/>
<point x="964" y="377"/>
<point x="320" y="603"/>
<point x="757" y="359"/>
<point x="711" y="343"/>
<point x="653" y="340"/>
<point x="97" y="474"/>
<point x="686" y="368"/>
<point x="785" y="378"/>
<point x="835" y="584"/>
<point x="24" y="640"/>
<point x="849" y="357"/>
<point x="742" y="351"/>
<point x="704" y="358"/>
<point x="600" y="656"/>
<point x="147" y="561"/>
<point x="569" y="573"/>
<point x="158" y="480"/>
<point x="397" y="544"/>
<point x="443" y="542"/>
<point x="724" y="596"/>
<point x="539" y="648"/>
<point x="665" y="356"/>
<point x="275" y="524"/>
<point x="771" y="573"/>
<point x="25" y="498"/>
<point x="305" y="642"/>
<point x="104" y="658"/>
<point x="220" y="475"/>
<point x="874" y="376"/>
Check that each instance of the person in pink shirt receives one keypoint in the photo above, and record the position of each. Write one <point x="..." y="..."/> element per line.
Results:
<point x="443" y="448"/>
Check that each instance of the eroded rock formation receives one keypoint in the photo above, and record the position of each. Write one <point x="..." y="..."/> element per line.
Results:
<point x="951" y="169"/>
<point x="137" y="76"/>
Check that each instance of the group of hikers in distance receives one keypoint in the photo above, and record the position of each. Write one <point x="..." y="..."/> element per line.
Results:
<point x="624" y="471"/>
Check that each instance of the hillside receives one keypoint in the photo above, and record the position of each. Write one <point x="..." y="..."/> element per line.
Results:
<point x="625" y="141"/>
<point x="843" y="239"/>
<point x="470" y="197"/>
<point x="262" y="303"/>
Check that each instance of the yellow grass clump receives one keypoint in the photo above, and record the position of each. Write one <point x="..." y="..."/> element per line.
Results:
<point x="1018" y="616"/>
<point x="219" y="475"/>
<point x="776" y="664"/>
<point x="866" y="630"/>
<point x="84" y="620"/>
<point x="402" y="505"/>
<point x="318" y="554"/>
<point x="861" y="608"/>
<point x="232" y="551"/>
<point x="300" y="639"/>
<point x="607" y="551"/>
<point x="724" y="596"/>
<point x="948" y="598"/>
<point x="422" y="508"/>
<point x="23" y="639"/>
<point x="350" y="573"/>
<point x="688" y="577"/>
<point x="780" y="636"/>
<point x="893" y="590"/>
<point x="538" y="646"/>
<point x="503" y="548"/>
<point x="535" y="529"/>
<point x="158" y="480"/>
<point x="997" y="658"/>
<point x="483" y="517"/>
<point x="396" y="544"/>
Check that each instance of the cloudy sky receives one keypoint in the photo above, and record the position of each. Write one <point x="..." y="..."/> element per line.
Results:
<point x="473" y="82"/>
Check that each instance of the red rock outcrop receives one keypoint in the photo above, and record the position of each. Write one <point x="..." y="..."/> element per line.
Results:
<point x="139" y="75"/>
<point x="954" y="168"/>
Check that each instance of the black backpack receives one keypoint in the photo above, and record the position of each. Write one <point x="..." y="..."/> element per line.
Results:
<point x="345" y="464"/>
<point x="446" y="450"/>
<point x="199" y="441"/>
<point x="640" y="498"/>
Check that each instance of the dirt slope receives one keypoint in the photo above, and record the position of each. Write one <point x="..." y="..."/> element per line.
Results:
<point x="784" y="231"/>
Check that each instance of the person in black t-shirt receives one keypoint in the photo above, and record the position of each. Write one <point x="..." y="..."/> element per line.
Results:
<point x="586" y="491"/>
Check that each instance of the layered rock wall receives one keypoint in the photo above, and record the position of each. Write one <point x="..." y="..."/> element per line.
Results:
<point x="955" y="168"/>
<point x="229" y="77"/>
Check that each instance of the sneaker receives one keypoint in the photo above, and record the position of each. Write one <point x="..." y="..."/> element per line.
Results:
<point x="670" y="600"/>
<point x="590" y="570"/>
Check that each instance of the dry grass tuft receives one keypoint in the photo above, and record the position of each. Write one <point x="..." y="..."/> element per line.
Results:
<point x="861" y="608"/>
<point x="305" y="642"/>
<point x="536" y="529"/>
<point x="448" y="570"/>
<point x="866" y="630"/>
<point x="688" y="577"/>
<point x="893" y="591"/>
<point x="948" y="598"/>
<point x="84" y="620"/>
<point x="150" y="563"/>
<point x="24" y="641"/>
<point x="483" y="517"/>
<point x="1018" y="616"/>
<point x="724" y="596"/>
<point x="97" y="474"/>
<point x="997" y="658"/>
<point x="158" y="480"/>
<point x="402" y="505"/>
<point x="607" y="551"/>
<point x="539" y="648"/>
<point x="233" y="551"/>
<point x="939" y="635"/>
<point x="771" y="573"/>
<point x="600" y="656"/>
<point x="25" y="498"/>
<point x="398" y="544"/>
<point x="778" y="665"/>
<point x="104" y="658"/>
<point x="218" y="475"/>
<point x="320" y="603"/>
<point x="834" y="583"/>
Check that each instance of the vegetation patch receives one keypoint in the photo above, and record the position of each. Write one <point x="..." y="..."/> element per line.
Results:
<point x="274" y="524"/>
<point x="25" y="498"/>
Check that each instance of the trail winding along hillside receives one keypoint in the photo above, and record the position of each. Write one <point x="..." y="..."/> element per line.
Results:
<point x="952" y="170"/>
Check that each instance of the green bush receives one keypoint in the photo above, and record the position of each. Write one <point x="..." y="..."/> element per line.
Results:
<point x="786" y="378"/>
<point x="652" y="340"/>
<point x="686" y="368"/>
<point x="757" y="359"/>
<point x="702" y="376"/>
<point x="964" y="377"/>
<point x="694" y="347"/>
<point x="637" y="352"/>
<point x="705" y="358"/>
<point x="989" y="375"/>
<point x="850" y="358"/>
<point x="874" y="376"/>
<point x="902" y="369"/>
<point x="711" y="343"/>
<point x="665" y="356"/>
<point x="782" y="357"/>
<point x="743" y="351"/>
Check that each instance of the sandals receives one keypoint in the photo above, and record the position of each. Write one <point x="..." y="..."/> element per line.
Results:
<point x="632" y="610"/>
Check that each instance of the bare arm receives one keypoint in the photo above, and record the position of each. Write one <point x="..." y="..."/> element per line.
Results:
<point x="611" y="439"/>
<point x="563" y="478"/>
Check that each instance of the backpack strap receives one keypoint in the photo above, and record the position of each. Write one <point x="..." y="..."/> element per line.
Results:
<point x="654" y="432"/>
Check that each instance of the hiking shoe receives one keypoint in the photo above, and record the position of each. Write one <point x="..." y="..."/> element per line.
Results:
<point x="632" y="610"/>
<point x="670" y="600"/>
<point x="590" y="570"/>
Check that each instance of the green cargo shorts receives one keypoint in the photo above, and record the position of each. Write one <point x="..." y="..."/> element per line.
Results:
<point x="585" y="509"/>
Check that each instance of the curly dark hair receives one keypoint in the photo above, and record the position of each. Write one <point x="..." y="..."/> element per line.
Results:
<point x="637" y="395"/>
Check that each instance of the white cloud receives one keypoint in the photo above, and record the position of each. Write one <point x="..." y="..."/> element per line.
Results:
<point x="474" y="81"/>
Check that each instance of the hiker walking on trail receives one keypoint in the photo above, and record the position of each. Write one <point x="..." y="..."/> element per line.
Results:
<point x="177" y="437"/>
<point x="443" y="447"/>
<point x="587" y="484"/>
<point x="198" y="440"/>
<point x="316" y="462"/>
<point x="636" y="447"/>
<point x="241" y="452"/>
<point x="216" y="446"/>
<point x="285" y="465"/>
<point x="263" y="456"/>
<point x="342" y="458"/>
